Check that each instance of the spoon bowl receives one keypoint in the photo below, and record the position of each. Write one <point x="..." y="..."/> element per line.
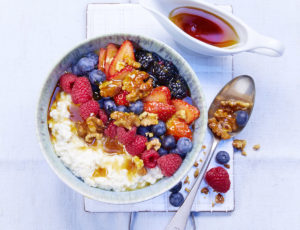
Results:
<point x="250" y="40"/>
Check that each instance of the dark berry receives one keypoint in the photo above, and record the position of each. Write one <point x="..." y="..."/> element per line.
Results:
<point x="175" y="150"/>
<point x="163" y="71"/>
<point x="162" y="151"/>
<point x="222" y="157"/>
<point x="142" y="130"/>
<point x="241" y="118"/>
<point x="95" y="88"/>
<point x="101" y="103"/>
<point x="136" y="107"/>
<point x="154" y="81"/>
<point x="184" y="145"/>
<point x="188" y="100"/>
<point x="178" y="87"/>
<point x="96" y="95"/>
<point x="191" y="128"/>
<point x="176" y="199"/>
<point x="122" y="108"/>
<point x="93" y="56"/>
<point x="75" y="70"/>
<point x="176" y="188"/>
<point x="146" y="58"/>
<point x="96" y="76"/>
<point x="159" y="129"/>
<point x="169" y="142"/>
<point x="109" y="106"/>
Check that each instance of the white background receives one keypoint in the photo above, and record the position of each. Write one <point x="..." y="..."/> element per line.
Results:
<point x="35" y="34"/>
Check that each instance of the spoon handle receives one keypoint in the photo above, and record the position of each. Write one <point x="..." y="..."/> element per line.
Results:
<point x="178" y="222"/>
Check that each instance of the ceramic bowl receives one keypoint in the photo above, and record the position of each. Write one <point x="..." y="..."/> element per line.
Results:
<point x="76" y="183"/>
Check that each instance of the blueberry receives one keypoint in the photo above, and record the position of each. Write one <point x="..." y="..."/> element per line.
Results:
<point x="96" y="95"/>
<point x="241" y="118"/>
<point x="188" y="100"/>
<point x="86" y="64"/>
<point x="96" y="76"/>
<point x="176" y="199"/>
<point x="93" y="56"/>
<point x="136" y="107"/>
<point x="162" y="151"/>
<point x="75" y="70"/>
<point x="176" y="188"/>
<point x="222" y="157"/>
<point x="175" y="150"/>
<point x="142" y="130"/>
<point x="101" y="103"/>
<point x="95" y="88"/>
<point x="169" y="142"/>
<point x="122" y="108"/>
<point x="184" y="145"/>
<point x="109" y="106"/>
<point x="191" y="128"/>
<point x="159" y="129"/>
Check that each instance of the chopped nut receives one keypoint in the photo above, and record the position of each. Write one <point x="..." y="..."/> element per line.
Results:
<point x="244" y="153"/>
<point x="110" y="88"/>
<point x="201" y="160"/>
<point x="227" y="166"/>
<point x="219" y="199"/>
<point x="187" y="190"/>
<point x="154" y="143"/>
<point x="196" y="173"/>
<point x="205" y="190"/>
<point x="203" y="146"/>
<point x="132" y="63"/>
<point x="126" y="120"/>
<point x="187" y="180"/>
<point x="149" y="134"/>
<point x="196" y="164"/>
<point x="95" y="125"/>
<point x="240" y="145"/>
<point x="236" y="105"/>
<point x="256" y="147"/>
<point x="212" y="204"/>
<point x="148" y="119"/>
<point x="89" y="138"/>
<point x="91" y="129"/>
<point x="81" y="128"/>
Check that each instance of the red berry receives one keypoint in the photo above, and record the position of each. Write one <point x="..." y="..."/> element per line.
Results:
<point x="126" y="137"/>
<point x="111" y="130"/>
<point x="88" y="109"/>
<point x="137" y="146"/>
<point x="218" y="179"/>
<point x="169" y="164"/>
<point x="66" y="82"/>
<point x="81" y="91"/>
<point x="164" y="111"/>
<point x="150" y="158"/>
<point x="120" y="98"/>
<point x="103" y="116"/>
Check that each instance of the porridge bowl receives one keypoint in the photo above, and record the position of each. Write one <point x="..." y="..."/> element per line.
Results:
<point x="77" y="140"/>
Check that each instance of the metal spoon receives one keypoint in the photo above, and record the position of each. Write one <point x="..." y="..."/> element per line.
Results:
<point x="240" y="88"/>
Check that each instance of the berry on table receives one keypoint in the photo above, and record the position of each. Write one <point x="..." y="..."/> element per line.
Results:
<point x="81" y="91"/>
<point x="142" y="130"/>
<point x="222" y="157"/>
<point x="218" y="179"/>
<point x="96" y="77"/>
<point x="67" y="81"/>
<point x="159" y="129"/>
<point x="162" y="151"/>
<point x="150" y="158"/>
<point x="176" y="188"/>
<point x="136" y="107"/>
<point x="169" y="142"/>
<point x="169" y="164"/>
<point x="123" y="109"/>
<point x="241" y="118"/>
<point x="109" y="106"/>
<point x="176" y="199"/>
<point x="184" y="145"/>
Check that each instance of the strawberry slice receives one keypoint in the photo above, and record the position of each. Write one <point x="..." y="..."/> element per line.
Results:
<point x="160" y="94"/>
<point x="120" y="99"/>
<point x="191" y="112"/>
<point x="164" y="111"/>
<point x="125" y="55"/>
<point x="122" y="74"/>
<point x="178" y="128"/>
<point x="111" y="52"/>
<point x="102" y="57"/>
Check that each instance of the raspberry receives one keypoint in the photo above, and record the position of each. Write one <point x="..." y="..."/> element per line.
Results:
<point x="120" y="99"/>
<point x="66" y="82"/>
<point x="88" y="108"/>
<point x="103" y="116"/>
<point x="137" y="146"/>
<point x="81" y="91"/>
<point x="150" y="158"/>
<point x="169" y="164"/>
<point x="111" y="130"/>
<point x="218" y="179"/>
<point x="126" y="137"/>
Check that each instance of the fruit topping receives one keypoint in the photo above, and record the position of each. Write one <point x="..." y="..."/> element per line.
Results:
<point x="126" y="137"/>
<point x="188" y="100"/>
<point x="146" y="58"/>
<point x="103" y="116"/>
<point x="159" y="94"/>
<point x="218" y="179"/>
<point x="109" y="106"/>
<point x="168" y="142"/>
<point x="137" y="146"/>
<point x="96" y="77"/>
<point x="81" y="91"/>
<point x="89" y="108"/>
<point x="126" y="120"/>
<point x="178" y="128"/>
<point x="120" y="99"/>
<point x="169" y="164"/>
<point x="191" y="112"/>
<point x="111" y="130"/>
<point x="162" y="151"/>
<point x="110" y="88"/>
<point x="144" y="131"/>
<point x="241" y="118"/>
<point x="102" y="58"/>
<point x="122" y="74"/>
<point x="164" y="71"/>
<point x="159" y="129"/>
<point x="87" y="64"/>
<point x="150" y="158"/>
<point x="123" y="109"/>
<point x="164" y="111"/>
<point x="184" y="145"/>
<point x="222" y="157"/>
<point x="136" y="107"/>
<point x="66" y="82"/>
<point x="176" y="199"/>
<point x="176" y="188"/>
<point x="178" y="87"/>
<point x="111" y="51"/>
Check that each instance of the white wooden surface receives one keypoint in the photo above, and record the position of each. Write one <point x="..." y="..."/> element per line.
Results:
<point x="34" y="34"/>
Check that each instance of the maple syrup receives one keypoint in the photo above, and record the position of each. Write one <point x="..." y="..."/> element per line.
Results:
<point x="204" y="26"/>
<point x="112" y="146"/>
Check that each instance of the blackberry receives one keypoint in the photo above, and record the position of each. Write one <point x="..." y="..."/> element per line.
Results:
<point x="154" y="82"/>
<point x="96" y="95"/>
<point x="146" y="58"/>
<point x="164" y="71"/>
<point x="178" y="87"/>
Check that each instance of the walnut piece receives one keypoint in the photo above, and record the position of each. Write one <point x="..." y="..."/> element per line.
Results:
<point x="236" y="105"/>
<point x="148" y="119"/>
<point x="204" y="190"/>
<point x="110" y="88"/>
<point x="196" y="164"/>
<point x="90" y="130"/>
<point x="196" y="173"/>
<point x="126" y="120"/>
<point x="90" y="137"/>
<point x="240" y="145"/>
<point x="187" y="190"/>
<point x="256" y="147"/>
<point x="95" y="125"/>
<point x="154" y="143"/>
<point x="187" y="180"/>
<point x="219" y="199"/>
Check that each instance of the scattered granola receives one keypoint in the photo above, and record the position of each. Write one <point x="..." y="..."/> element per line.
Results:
<point x="196" y="164"/>
<point x="219" y="199"/>
<point x="201" y="160"/>
<point x="203" y="146"/>
<point x="196" y="173"/>
<point x="256" y="147"/>
<point x="205" y="190"/>
<point x="187" y="180"/>
<point x="240" y="145"/>
<point x="227" y="166"/>
<point x="187" y="190"/>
